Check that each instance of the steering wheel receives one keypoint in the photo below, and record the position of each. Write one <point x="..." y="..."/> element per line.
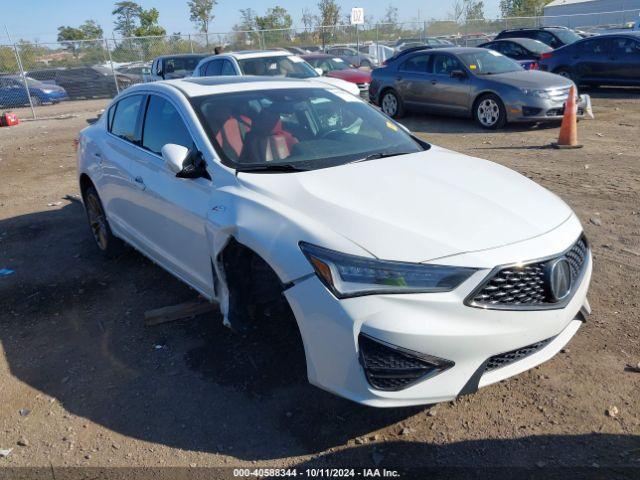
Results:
<point x="331" y="132"/>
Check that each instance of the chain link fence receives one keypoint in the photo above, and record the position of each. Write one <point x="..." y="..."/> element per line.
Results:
<point x="36" y="75"/>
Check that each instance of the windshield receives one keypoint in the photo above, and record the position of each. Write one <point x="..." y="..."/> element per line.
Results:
<point x="182" y="65"/>
<point x="328" y="64"/>
<point x="303" y="128"/>
<point x="290" y="66"/>
<point x="32" y="82"/>
<point x="567" y="36"/>
<point x="488" y="62"/>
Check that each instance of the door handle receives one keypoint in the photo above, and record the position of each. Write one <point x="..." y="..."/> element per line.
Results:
<point x="97" y="155"/>
<point x="140" y="182"/>
<point x="433" y="82"/>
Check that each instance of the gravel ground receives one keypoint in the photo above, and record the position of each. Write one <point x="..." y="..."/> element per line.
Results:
<point x="83" y="382"/>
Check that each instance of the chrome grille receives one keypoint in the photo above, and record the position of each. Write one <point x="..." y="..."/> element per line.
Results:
<point x="525" y="285"/>
<point x="559" y="94"/>
<point x="505" y="359"/>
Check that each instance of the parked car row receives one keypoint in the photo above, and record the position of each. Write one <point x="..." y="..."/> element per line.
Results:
<point x="13" y="92"/>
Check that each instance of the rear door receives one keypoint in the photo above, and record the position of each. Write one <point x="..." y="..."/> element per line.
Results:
<point x="449" y="94"/>
<point x="592" y="59"/>
<point x="170" y="212"/>
<point x="113" y="157"/>
<point x="412" y="79"/>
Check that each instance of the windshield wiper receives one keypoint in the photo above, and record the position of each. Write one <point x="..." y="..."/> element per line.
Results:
<point x="377" y="155"/>
<point x="276" y="167"/>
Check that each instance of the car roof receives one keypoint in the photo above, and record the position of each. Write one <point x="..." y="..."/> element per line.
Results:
<point x="198" y="86"/>
<point x="181" y="55"/>
<point x="632" y="34"/>
<point x="256" y="54"/>
<point x="317" y="55"/>
<point x="521" y="41"/>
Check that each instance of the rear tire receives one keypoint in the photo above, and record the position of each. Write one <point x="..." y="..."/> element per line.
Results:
<point x="489" y="112"/>
<point x="106" y="242"/>
<point x="566" y="73"/>
<point x="391" y="105"/>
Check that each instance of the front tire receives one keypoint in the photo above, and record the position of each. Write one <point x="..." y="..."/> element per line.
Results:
<point x="391" y="105"/>
<point x="106" y="242"/>
<point x="489" y="112"/>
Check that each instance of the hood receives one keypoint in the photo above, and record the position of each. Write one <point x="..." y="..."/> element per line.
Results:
<point x="351" y="75"/>
<point x="531" y="79"/>
<point x="337" y="82"/>
<point x="421" y="206"/>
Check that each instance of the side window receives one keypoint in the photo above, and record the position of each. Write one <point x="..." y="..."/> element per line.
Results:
<point x="125" y="118"/>
<point x="546" y="37"/>
<point x="517" y="51"/>
<point x="445" y="64"/>
<point x="625" y="46"/>
<point x="227" y="68"/>
<point x="594" y="47"/>
<point x="213" y="68"/>
<point x="417" y="64"/>
<point x="110" y="114"/>
<point x="163" y="125"/>
<point x="500" y="47"/>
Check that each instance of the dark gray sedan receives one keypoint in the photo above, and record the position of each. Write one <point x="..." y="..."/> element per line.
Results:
<point x="469" y="82"/>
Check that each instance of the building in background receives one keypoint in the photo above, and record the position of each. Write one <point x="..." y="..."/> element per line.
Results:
<point x="587" y="13"/>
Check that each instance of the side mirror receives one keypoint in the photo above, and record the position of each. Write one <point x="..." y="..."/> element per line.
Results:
<point x="169" y="68"/>
<point x="319" y="71"/>
<point x="174" y="156"/>
<point x="458" y="74"/>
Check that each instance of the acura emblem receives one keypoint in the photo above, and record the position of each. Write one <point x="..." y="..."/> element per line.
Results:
<point x="559" y="279"/>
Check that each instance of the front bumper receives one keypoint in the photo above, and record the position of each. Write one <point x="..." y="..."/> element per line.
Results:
<point x="541" y="110"/>
<point x="438" y="325"/>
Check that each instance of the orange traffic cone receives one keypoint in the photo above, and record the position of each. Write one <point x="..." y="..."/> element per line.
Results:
<point x="568" y="137"/>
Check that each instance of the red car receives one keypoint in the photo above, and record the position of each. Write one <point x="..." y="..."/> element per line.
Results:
<point x="336" y="67"/>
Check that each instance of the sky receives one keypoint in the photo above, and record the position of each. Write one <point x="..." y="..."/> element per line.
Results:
<point x="38" y="20"/>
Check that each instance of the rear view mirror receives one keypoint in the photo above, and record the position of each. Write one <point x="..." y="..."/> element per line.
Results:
<point x="174" y="156"/>
<point x="458" y="74"/>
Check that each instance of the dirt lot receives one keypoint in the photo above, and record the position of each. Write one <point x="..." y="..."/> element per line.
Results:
<point x="83" y="382"/>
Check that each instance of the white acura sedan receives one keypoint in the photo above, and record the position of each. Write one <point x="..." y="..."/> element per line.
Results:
<point x="415" y="274"/>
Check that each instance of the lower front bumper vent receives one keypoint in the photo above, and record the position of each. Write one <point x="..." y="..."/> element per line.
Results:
<point x="388" y="367"/>
<point x="504" y="359"/>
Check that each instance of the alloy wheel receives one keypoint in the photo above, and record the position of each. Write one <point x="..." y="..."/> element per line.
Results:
<point x="390" y="104"/>
<point x="97" y="221"/>
<point x="488" y="112"/>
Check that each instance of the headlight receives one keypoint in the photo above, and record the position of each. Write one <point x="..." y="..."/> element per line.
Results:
<point x="349" y="275"/>
<point x="535" y="93"/>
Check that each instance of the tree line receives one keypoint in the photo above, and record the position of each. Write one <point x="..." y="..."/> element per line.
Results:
<point x="131" y="20"/>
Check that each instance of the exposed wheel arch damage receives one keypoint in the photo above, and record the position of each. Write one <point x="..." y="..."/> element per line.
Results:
<point x="253" y="297"/>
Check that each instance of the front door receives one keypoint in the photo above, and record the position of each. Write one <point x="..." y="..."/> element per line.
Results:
<point x="170" y="212"/>
<point x="449" y="94"/>
<point x="625" y="57"/>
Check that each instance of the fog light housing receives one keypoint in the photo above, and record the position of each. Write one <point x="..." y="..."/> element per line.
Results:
<point x="391" y="368"/>
<point x="530" y="111"/>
